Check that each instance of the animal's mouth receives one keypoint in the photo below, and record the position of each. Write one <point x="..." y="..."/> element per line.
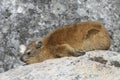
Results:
<point x="25" y="61"/>
<point x="25" y="64"/>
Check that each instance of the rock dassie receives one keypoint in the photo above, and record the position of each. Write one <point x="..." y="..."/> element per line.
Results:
<point x="67" y="41"/>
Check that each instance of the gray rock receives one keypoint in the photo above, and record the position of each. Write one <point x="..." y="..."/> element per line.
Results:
<point x="69" y="68"/>
<point x="22" y="21"/>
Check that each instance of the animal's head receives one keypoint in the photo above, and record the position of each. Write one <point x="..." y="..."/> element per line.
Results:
<point x="35" y="52"/>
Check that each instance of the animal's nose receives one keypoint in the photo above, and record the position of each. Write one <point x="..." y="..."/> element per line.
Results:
<point x="23" y="58"/>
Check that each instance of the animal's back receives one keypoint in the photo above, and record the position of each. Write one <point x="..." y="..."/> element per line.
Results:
<point x="82" y="36"/>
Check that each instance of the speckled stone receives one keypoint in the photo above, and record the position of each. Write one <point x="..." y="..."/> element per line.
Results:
<point x="22" y="21"/>
<point x="69" y="68"/>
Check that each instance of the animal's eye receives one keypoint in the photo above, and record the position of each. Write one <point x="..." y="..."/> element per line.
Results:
<point x="30" y="54"/>
<point x="39" y="44"/>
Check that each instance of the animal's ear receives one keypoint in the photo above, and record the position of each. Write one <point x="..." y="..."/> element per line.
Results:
<point x="22" y="48"/>
<point x="90" y="33"/>
<point x="38" y="45"/>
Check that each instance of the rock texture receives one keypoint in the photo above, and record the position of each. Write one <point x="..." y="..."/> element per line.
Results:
<point x="22" y="21"/>
<point x="94" y="65"/>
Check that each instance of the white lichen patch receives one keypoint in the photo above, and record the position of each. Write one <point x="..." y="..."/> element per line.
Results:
<point x="22" y="48"/>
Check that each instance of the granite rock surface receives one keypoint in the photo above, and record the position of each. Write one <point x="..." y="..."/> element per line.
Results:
<point x="94" y="65"/>
<point x="22" y="21"/>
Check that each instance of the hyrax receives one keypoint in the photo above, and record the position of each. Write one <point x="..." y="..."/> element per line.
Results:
<point x="67" y="40"/>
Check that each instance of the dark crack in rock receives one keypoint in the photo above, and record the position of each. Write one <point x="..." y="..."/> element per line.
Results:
<point x="99" y="59"/>
<point x="115" y="63"/>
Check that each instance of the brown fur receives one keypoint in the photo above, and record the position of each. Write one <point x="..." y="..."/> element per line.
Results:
<point x="67" y="40"/>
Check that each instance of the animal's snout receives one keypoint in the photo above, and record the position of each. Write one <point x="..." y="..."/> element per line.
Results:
<point x="22" y="59"/>
<point x="28" y="54"/>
